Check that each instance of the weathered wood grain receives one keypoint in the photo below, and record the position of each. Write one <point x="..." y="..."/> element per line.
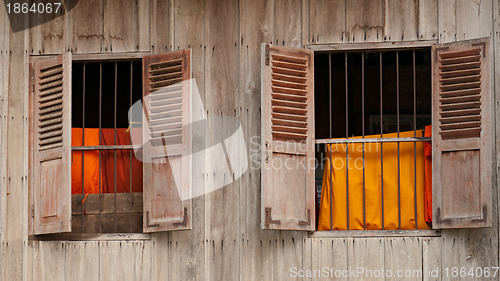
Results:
<point x="330" y="254"/>
<point x="221" y="95"/>
<point x="404" y="255"/>
<point x="49" y="263"/>
<point x="447" y="26"/>
<point x="287" y="23"/>
<point x="120" y="26"/>
<point x="159" y="21"/>
<point x="256" y="27"/>
<point x="364" y="21"/>
<point x="401" y="20"/>
<point x="82" y="261"/>
<point x="366" y="253"/>
<point x="127" y="260"/>
<point x="432" y="258"/>
<point x="87" y="27"/>
<point x="188" y="33"/>
<point x="428" y="19"/>
<point x="474" y="19"/>
<point x="327" y="21"/>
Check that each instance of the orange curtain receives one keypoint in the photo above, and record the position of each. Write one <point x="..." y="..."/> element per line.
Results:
<point x="91" y="163"/>
<point x="428" y="175"/>
<point x="337" y="181"/>
<point x="123" y="164"/>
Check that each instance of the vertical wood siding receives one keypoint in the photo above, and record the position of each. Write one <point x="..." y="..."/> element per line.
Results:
<point x="226" y="242"/>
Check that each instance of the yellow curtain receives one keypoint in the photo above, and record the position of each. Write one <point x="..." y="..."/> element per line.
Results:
<point x="373" y="185"/>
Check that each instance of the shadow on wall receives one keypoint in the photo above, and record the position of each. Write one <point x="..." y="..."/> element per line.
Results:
<point x="38" y="11"/>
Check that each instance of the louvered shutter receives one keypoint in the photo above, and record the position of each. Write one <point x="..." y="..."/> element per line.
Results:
<point x="167" y="135"/>
<point x="52" y="145"/>
<point x="462" y="135"/>
<point x="287" y="138"/>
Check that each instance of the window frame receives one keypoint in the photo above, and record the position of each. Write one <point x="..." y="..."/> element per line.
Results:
<point x="373" y="46"/>
<point x="87" y="58"/>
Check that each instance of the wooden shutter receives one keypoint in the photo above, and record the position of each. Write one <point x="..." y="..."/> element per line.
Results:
<point x="52" y="145"/>
<point x="287" y="138"/>
<point x="462" y="135"/>
<point x="167" y="135"/>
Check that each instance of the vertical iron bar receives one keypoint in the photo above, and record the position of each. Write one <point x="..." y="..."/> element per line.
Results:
<point x="347" y="136"/>
<point x="114" y="142"/>
<point x="83" y="152"/>
<point x="381" y="144"/>
<point x="131" y="125"/>
<point x="330" y="146"/>
<point x="100" y="136"/>
<point x="363" y="133"/>
<point x="415" y="134"/>
<point x="397" y="113"/>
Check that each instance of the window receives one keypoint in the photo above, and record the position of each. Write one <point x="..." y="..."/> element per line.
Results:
<point x="383" y="97"/>
<point x="447" y="85"/>
<point x="89" y="173"/>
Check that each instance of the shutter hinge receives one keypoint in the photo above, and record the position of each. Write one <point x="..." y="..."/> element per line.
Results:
<point x="32" y="211"/>
<point x="267" y="54"/>
<point x="32" y="77"/>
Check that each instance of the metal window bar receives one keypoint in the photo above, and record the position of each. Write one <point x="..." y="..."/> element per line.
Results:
<point x="380" y="140"/>
<point x="83" y="152"/>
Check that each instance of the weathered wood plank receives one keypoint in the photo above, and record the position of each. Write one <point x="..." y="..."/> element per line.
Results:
<point x="221" y="96"/>
<point x="287" y="23"/>
<point x="403" y="258"/>
<point x="15" y="189"/>
<point x="289" y="253"/>
<point x="142" y="36"/>
<point x="127" y="260"/>
<point x="330" y="254"/>
<point x="401" y="20"/>
<point x="431" y="258"/>
<point x="120" y="26"/>
<point x="474" y="19"/>
<point x="159" y="20"/>
<point x="188" y="33"/>
<point x="446" y="21"/>
<point x="428" y="19"/>
<point x="327" y="21"/>
<point x="82" y="260"/>
<point x="87" y="26"/>
<point x="366" y="253"/>
<point x="256" y="27"/>
<point x="364" y="21"/>
<point x="470" y="248"/>
<point x="55" y="32"/>
<point x="49" y="264"/>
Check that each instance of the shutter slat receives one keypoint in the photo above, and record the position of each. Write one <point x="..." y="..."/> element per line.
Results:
<point x="44" y="129"/>
<point x="459" y="119"/>
<point x="464" y="105"/>
<point x="298" y="74"/>
<point x="461" y="133"/>
<point x="285" y="103"/>
<point x="460" y="73"/>
<point x="284" y="77"/>
<point x="288" y="65"/>
<point x="460" y="60"/>
<point x="57" y="93"/>
<point x="50" y="71"/>
<point x="289" y="97"/>
<point x="291" y="117"/>
<point x="286" y="84"/>
<point x="462" y="125"/>
<point x="289" y="123"/>
<point x="461" y="86"/>
<point x="461" y="66"/>
<point x="461" y="79"/>
<point x="289" y="91"/>
<point x="460" y="99"/>
<point x="51" y="103"/>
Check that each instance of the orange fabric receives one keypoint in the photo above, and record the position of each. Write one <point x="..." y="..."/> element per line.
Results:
<point x="428" y="175"/>
<point x="91" y="163"/>
<point x="122" y="164"/>
<point x="373" y="185"/>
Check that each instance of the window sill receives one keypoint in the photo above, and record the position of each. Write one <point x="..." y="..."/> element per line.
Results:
<point x="91" y="237"/>
<point x="374" y="233"/>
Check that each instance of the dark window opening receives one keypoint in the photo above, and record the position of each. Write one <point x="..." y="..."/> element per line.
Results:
<point x="379" y="95"/>
<point x="106" y="176"/>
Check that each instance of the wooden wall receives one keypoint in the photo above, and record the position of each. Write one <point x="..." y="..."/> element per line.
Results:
<point x="226" y="242"/>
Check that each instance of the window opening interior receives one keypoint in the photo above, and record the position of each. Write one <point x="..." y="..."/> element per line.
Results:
<point x="384" y="96"/>
<point x="106" y="176"/>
